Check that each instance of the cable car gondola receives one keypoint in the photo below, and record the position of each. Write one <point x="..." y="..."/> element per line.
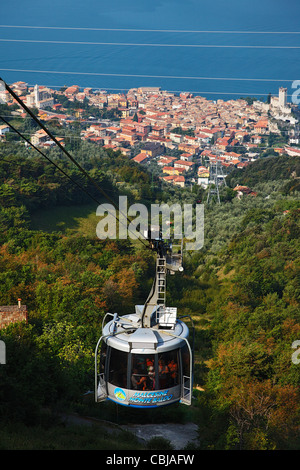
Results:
<point x="144" y="359"/>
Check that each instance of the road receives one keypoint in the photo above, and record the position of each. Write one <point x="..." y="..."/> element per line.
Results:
<point x="179" y="435"/>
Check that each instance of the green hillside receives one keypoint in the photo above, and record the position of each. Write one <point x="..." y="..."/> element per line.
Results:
<point x="242" y="290"/>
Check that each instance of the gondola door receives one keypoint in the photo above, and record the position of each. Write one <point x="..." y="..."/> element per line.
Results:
<point x="187" y="375"/>
<point x="100" y="377"/>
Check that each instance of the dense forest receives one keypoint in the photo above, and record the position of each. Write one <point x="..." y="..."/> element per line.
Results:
<point x="242" y="291"/>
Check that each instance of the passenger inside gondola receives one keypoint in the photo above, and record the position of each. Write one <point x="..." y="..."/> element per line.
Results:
<point x="143" y="376"/>
<point x="173" y="370"/>
<point x="135" y="379"/>
<point x="163" y="373"/>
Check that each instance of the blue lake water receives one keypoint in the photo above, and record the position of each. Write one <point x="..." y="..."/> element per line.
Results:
<point x="214" y="72"/>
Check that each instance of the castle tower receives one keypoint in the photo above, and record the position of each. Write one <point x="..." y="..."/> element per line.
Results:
<point x="282" y="97"/>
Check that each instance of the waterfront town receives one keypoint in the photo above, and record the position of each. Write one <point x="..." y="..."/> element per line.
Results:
<point x="183" y="135"/>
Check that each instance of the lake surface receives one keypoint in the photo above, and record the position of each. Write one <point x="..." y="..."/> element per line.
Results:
<point x="253" y="65"/>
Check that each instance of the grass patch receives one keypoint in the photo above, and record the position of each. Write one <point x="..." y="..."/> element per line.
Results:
<point x="20" y="437"/>
<point x="78" y="218"/>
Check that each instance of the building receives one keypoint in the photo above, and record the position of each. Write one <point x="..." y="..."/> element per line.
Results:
<point x="152" y="149"/>
<point x="3" y="129"/>
<point x="293" y="151"/>
<point x="188" y="148"/>
<point x="71" y="91"/>
<point x="187" y="157"/>
<point x="5" y="96"/>
<point x="183" y="164"/>
<point x="141" y="158"/>
<point x="40" y="97"/>
<point x="12" y="314"/>
<point x="143" y="128"/>
<point x="166" y="161"/>
<point x="244" y="190"/>
<point x="39" y="137"/>
<point x="149" y="89"/>
<point x="178" y="138"/>
<point x="176" y="180"/>
<point x="282" y="97"/>
<point x="203" y="176"/>
<point x="261" y="127"/>
<point x="19" y="87"/>
<point x="170" y="170"/>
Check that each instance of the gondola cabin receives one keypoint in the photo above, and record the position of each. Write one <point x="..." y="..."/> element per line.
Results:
<point x="144" y="359"/>
<point x="144" y="367"/>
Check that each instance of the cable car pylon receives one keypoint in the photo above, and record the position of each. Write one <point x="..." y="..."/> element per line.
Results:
<point x="215" y="173"/>
<point x="144" y="359"/>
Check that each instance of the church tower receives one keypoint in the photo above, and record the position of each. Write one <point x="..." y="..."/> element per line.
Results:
<point x="37" y="96"/>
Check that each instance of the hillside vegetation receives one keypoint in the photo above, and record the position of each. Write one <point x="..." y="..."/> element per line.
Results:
<point x="242" y="291"/>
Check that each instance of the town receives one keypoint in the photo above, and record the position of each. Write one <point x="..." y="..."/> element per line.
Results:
<point x="182" y="137"/>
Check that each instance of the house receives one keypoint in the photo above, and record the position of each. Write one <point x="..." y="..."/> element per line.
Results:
<point x="80" y="96"/>
<point x="210" y="133"/>
<point x="242" y="190"/>
<point x="177" y="180"/>
<point x="12" y="314"/>
<point x="256" y="139"/>
<point x="98" y="130"/>
<point x="190" y="140"/>
<point x="158" y="131"/>
<point x="142" y="128"/>
<point x="128" y="134"/>
<point x="141" y="158"/>
<point x="124" y="112"/>
<point x="223" y="142"/>
<point x="203" y="171"/>
<point x="166" y="161"/>
<point x="261" y="127"/>
<point x="188" y="148"/>
<point x="3" y="129"/>
<point x="5" y="96"/>
<point x="125" y="151"/>
<point x="183" y="164"/>
<point x="113" y="129"/>
<point x="242" y="164"/>
<point x="202" y="138"/>
<point x="203" y="176"/>
<point x="152" y="149"/>
<point x="293" y="151"/>
<point x="178" y="138"/>
<point x="230" y="156"/>
<point x="57" y="106"/>
<point x="187" y="157"/>
<point x="122" y="103"/>
<point x="170" y="170"/>
<point x="71" y="91"/>
<point x="39" y="137"/>
<point x="19" y="87"/>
